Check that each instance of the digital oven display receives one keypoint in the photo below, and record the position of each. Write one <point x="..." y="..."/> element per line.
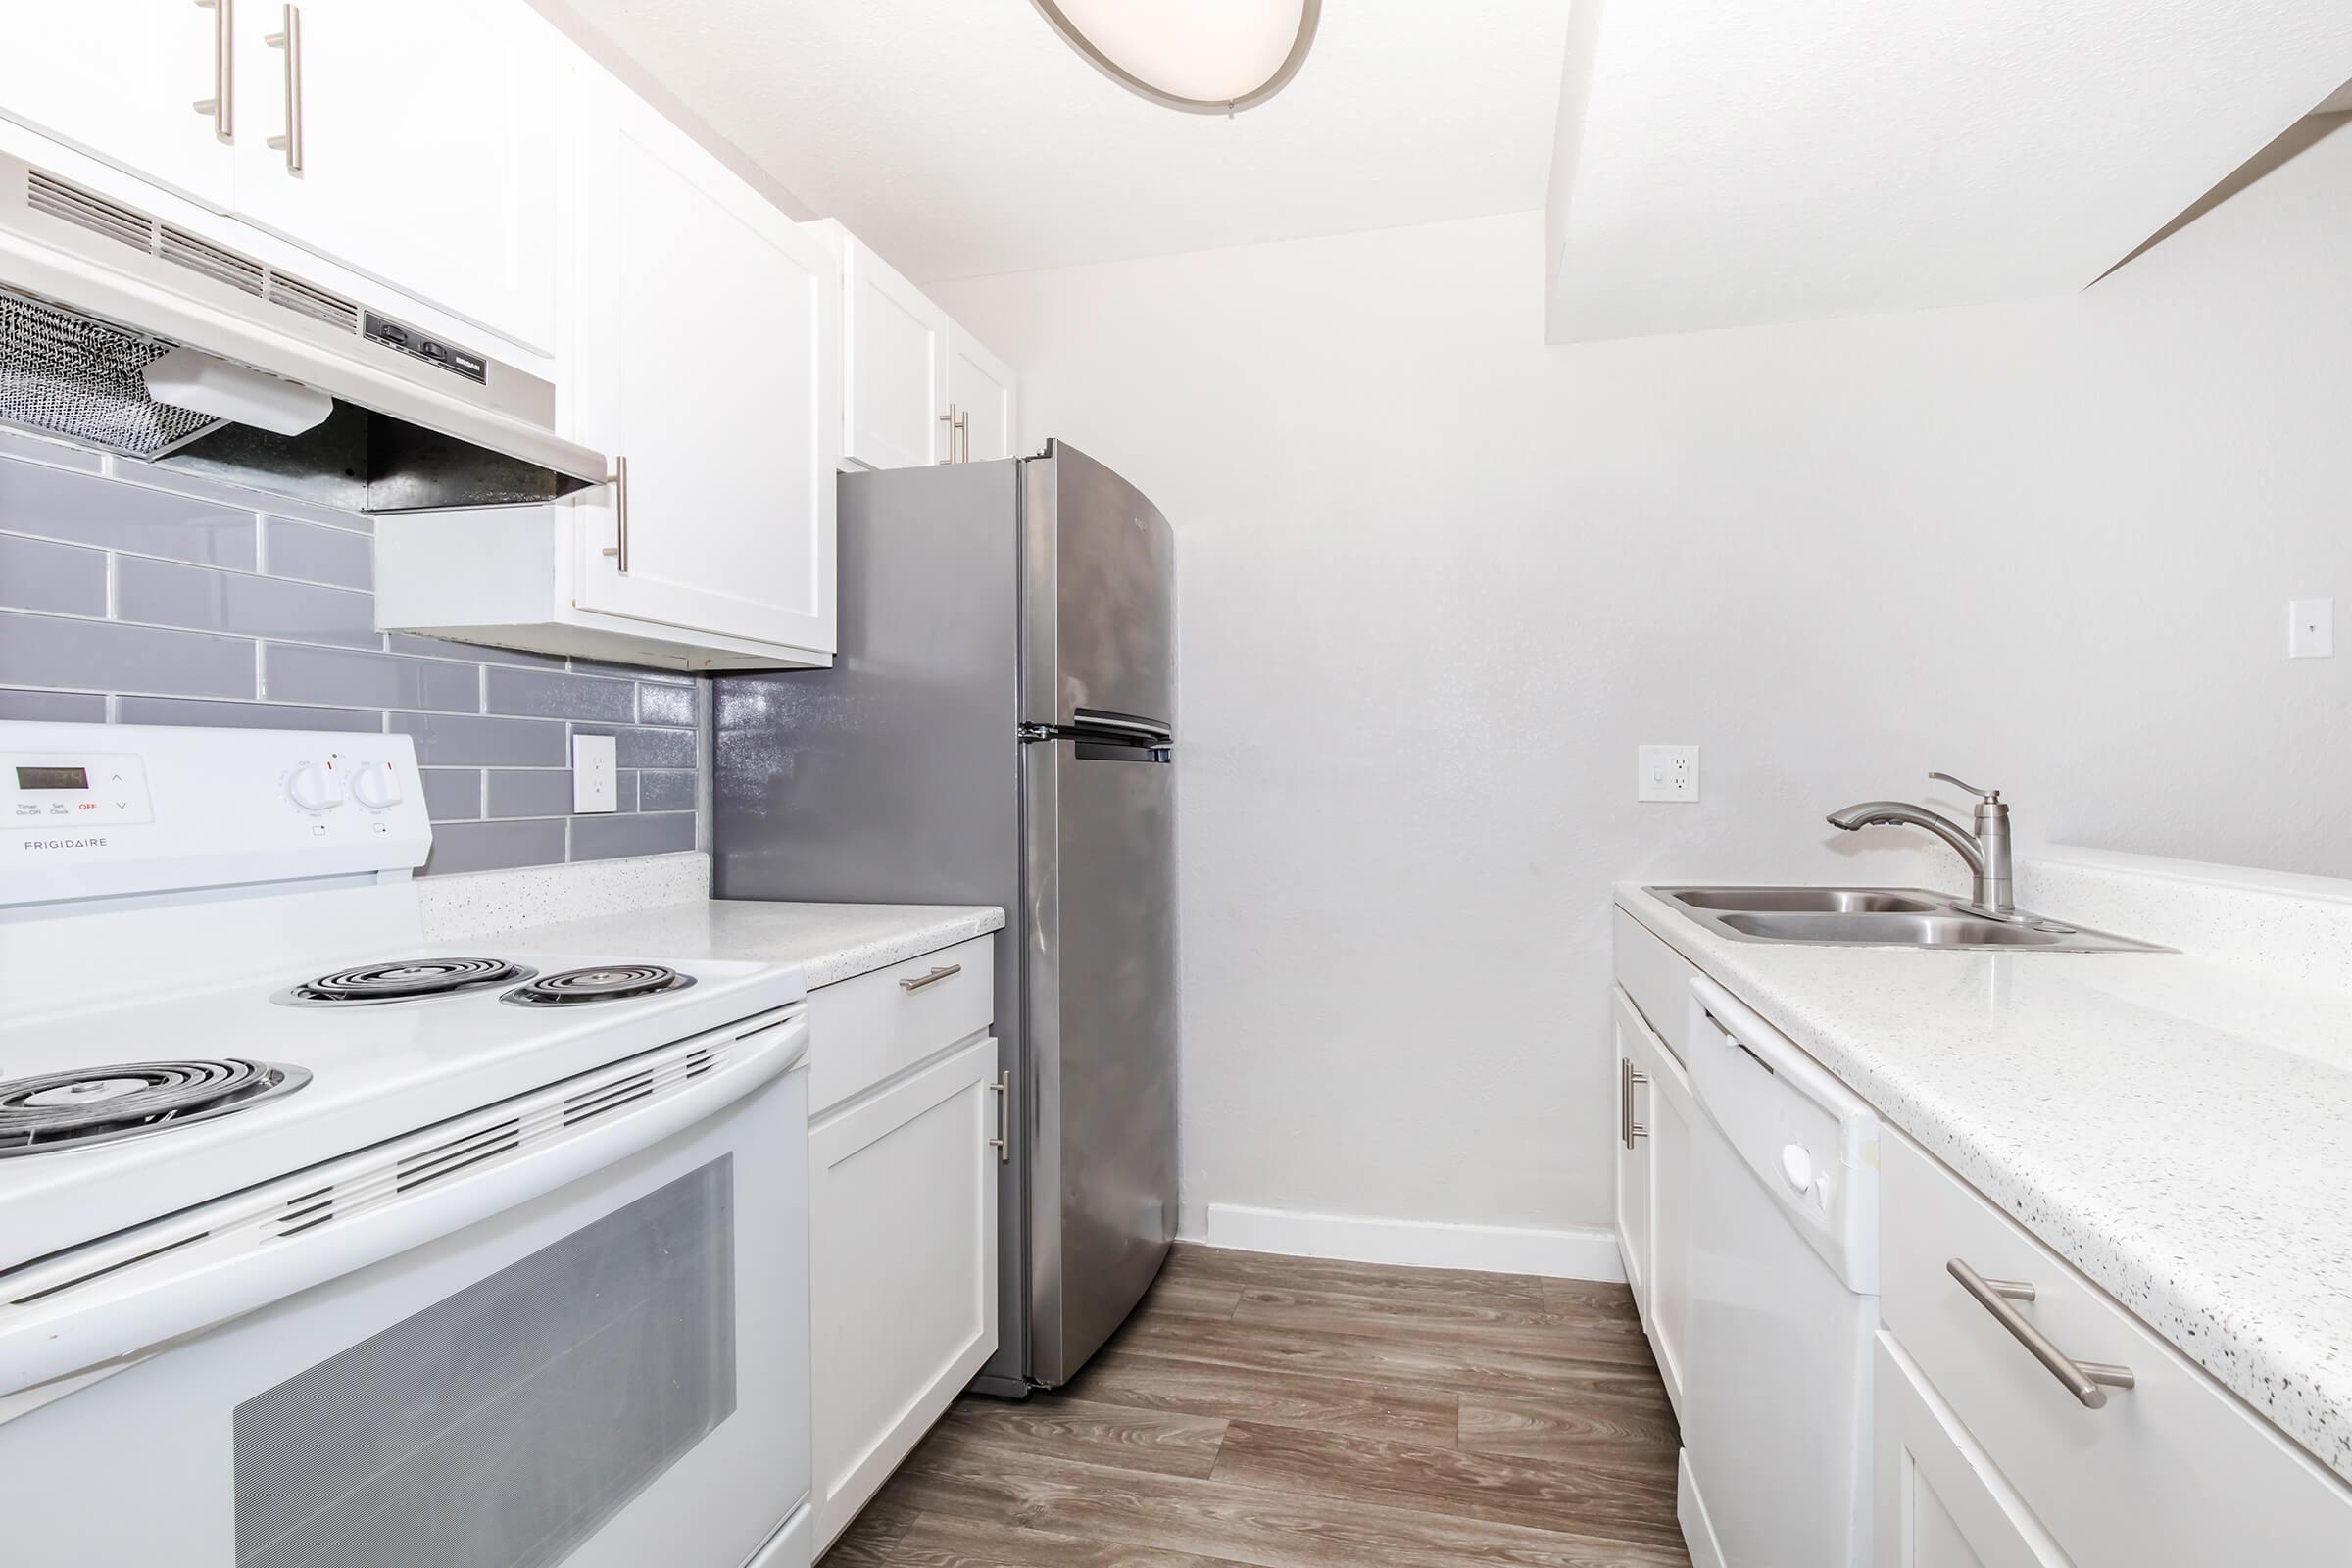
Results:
<point x="53" y="778"/>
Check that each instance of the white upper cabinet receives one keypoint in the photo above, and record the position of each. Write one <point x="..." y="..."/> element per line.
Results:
<point x="980" y="390"/>
<point x="122" y="81"/>
<point x="416" y="142"/>
<point x="704" y="346"/>
<point x="893" y="396"/>
<point x="916" y="387"/>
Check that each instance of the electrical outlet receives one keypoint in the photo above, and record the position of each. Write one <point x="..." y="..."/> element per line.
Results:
<point x="594" y="784"/>
<point x="2311" y="628"/>
<point x="1666" y="773"/>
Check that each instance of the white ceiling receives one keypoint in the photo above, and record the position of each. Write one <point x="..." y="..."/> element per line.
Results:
<point x="964" y="138"/>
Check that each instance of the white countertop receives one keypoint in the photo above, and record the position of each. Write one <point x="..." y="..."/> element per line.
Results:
<point x="825" y="942"/>
<point x="2179" y="1129"/>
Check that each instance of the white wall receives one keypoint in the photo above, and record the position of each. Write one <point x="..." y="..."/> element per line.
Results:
<point x="1437" y="580"/>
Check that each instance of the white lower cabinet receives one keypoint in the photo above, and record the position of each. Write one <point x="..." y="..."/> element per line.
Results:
<point x="1655" y="1109"/>
<point x="2171" y="1472"/>
<point x="903" y="1214"/>
<point x="1937" y="1500"/>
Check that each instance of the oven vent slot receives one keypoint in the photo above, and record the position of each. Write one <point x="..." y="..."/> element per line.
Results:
<point x="588" y="1107"/>
<point x="312" y="301"/>
<point x="127" y="225"/>
<point x="86" y="209"/>
<point x="42" y="1288"/>
<point x="184" y="249"/>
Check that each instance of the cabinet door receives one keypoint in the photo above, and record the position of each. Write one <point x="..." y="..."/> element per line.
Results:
<point x="980" y="386"/>
<point x="121" y="80"/>
<point x="896" y="353"/>
<point x="1669" y="1115"/>
<point x="1632" y="1159"/>
<point x="421" y="147"/>
<point x="903" y="1269"/>
<point x="706" y="354"/>
<point x="1940" y="1502"/>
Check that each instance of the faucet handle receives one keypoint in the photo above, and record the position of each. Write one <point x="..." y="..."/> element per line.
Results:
<point x="1990" y="795"/>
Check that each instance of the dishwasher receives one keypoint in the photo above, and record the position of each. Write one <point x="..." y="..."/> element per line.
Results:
<point x="1784" y="1280"/>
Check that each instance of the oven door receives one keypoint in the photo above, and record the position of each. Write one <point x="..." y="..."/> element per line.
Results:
<point x="610" y="1373"/>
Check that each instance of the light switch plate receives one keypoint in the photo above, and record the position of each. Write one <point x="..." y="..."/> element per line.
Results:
<point x="594" y="765"/>
<point x="2311" y="628"/>
<point x="1666" y="773"/>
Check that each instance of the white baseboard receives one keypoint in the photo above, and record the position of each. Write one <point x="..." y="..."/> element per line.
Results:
<point x="1586" y="1252"/>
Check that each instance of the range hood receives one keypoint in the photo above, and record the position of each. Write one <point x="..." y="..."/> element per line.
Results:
<point x="94" y="293"/>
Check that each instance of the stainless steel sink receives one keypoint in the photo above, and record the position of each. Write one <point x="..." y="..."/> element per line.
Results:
<point x="1880" y="917"/>
<point x="1804" y="901"/>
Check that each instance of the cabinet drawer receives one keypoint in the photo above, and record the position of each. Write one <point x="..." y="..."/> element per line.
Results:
<point x="1658" y="979"/>
<point x="867" y="1029"/>
<point x="2172" y="1471"/>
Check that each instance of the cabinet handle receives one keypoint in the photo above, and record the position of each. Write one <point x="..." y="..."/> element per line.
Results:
<point x="1003" y="1089"/>
<point x="2088" y="1381"/>
<point x="917" y="982"/>
<point x="290" y="38"/>
<point x="949" y="419"/>
<point x="1628" y="1129"/>
<point x="963" y="436"/>
<point x="222" y="105"/>
<point x="618" y="550"/>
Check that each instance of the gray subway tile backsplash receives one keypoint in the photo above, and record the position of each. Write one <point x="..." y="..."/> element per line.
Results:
<point x="497" y="846"/>
<point x="529" y="792"/>
<point x="664" y="792"/>
<point x="294" y="672"/>
<point x="37" y="574"/>
<point x="304" y="550"/>
<point x="89" y="509"/>
<point x="183" y="711"/>
<point x="52" y="708"/>
<point x="449" y="740"/>
<point x="104" y="656"/>
<point x="602" y="838"/>
<point x="134" y="596"/>
<point x="665" y="704"/>
<point x="552" y="693"/>
<point x="169" y="593"/>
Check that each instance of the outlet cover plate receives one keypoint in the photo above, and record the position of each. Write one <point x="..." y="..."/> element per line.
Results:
<point x="1666" y="773"/>
<point x="595" y="785"/>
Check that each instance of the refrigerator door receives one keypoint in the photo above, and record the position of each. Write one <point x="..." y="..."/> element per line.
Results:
<point x="1102" y="1018"/>
<point x="1099" y="574"/>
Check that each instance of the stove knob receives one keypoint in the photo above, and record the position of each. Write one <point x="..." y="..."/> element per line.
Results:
<point x="375" y="786"/>
<point x="315" y="786"/>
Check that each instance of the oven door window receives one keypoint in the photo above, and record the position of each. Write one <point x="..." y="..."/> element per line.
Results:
<point x="610" y="1375"/>
<point x="502" y="1425"/>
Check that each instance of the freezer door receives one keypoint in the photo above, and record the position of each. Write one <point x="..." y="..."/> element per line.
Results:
<point x="1098" y="595"/>
<point x="1102" y="1019"/>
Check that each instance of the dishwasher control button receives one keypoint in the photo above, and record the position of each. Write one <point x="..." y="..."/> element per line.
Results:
<point x="1798" y="1166"/>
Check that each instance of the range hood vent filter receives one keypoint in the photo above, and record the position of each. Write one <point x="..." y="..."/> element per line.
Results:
<point x="65" y="374"/>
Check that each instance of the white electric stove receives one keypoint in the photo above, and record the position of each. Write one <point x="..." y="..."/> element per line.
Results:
<point x="333" y="1245"/>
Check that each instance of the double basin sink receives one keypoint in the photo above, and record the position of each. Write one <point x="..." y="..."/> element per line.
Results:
<point x="1880" y="917"/>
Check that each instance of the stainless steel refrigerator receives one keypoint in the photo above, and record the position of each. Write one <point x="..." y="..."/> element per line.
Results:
<point x="998" y="727"/>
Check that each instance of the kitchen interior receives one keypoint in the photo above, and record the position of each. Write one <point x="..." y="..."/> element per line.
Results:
<point x="1250" y="785"/>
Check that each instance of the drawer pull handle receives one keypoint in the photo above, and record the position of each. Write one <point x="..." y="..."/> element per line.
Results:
<point x="917" y="982"/>
<point x="1629" y="1129"/>
<point x="2088" y="1381"/>
<point x="1002" y="1141"/>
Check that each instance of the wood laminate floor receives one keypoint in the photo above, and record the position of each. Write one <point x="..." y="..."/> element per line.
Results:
<point x="1289" y="1412"/>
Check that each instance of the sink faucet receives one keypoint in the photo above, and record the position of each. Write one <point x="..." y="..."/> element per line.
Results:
<point x="1987" y="850"/>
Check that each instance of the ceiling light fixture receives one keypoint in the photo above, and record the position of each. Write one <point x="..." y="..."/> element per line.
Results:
<point x="1204" y="57"/>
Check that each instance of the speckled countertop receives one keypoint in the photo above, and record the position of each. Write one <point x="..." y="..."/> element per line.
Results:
<point x="2181" y="1130"/>
<point x="826" y="942"/>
